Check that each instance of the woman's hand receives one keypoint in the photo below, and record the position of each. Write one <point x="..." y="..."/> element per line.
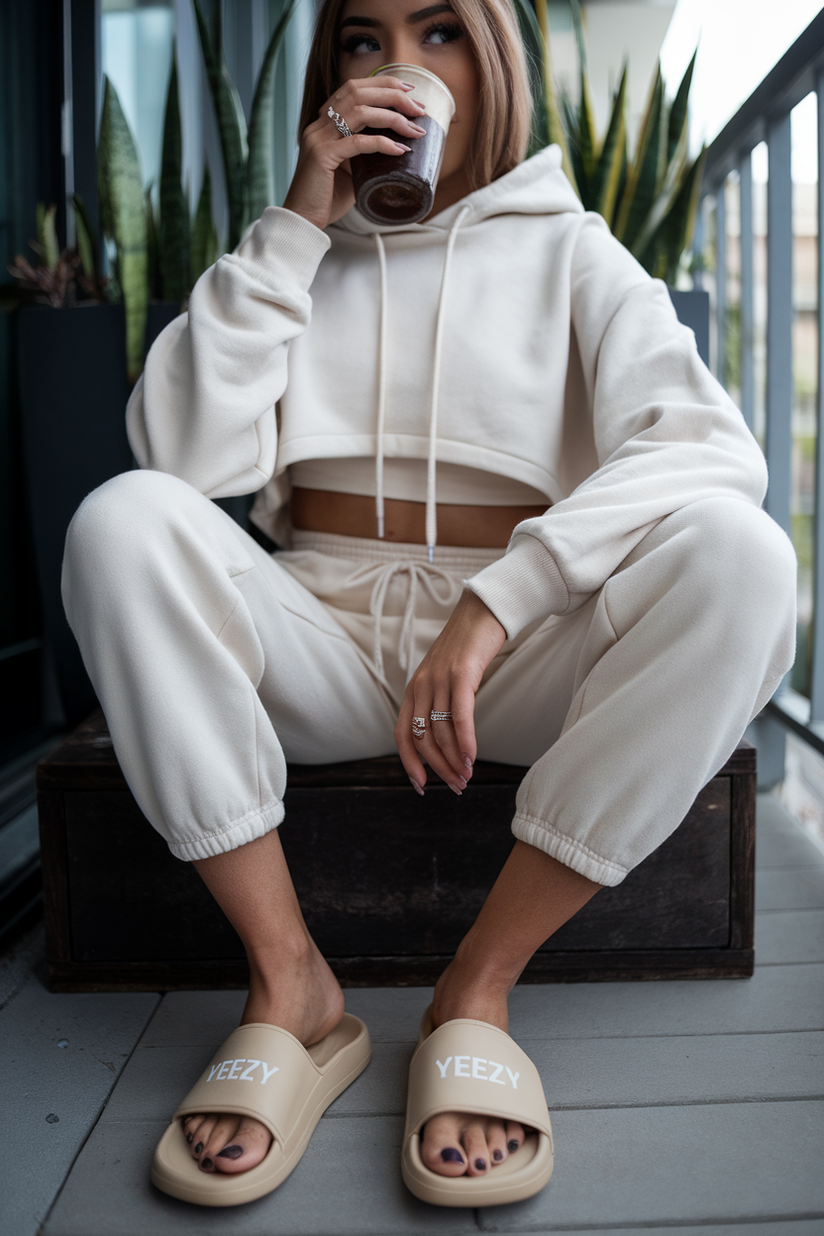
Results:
<point x="321" y="190"/>
<point x="446" y="681"/>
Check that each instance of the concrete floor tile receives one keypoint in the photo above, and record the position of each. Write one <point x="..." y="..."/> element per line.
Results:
<point x="789" y="936"/>
<point x="156" y="1079"/>
<point x="392" y="1014"/>
<point x="771" y="816"/>
<point x="649" y="1167"/>
<point x="774" y="850"/>
<point x="347" y="1184"/>
<point x="208" y="1017"/>
<point x="51" y="1095"/>
<point x="203" y="1018"/>
<point x="667" y="1071"/>
<point x="776" y="998"/>
<point x="798" y="889"/>
<point x="792" y="1227"/>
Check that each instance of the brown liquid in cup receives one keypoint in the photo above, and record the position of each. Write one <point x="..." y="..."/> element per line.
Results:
<point x="400" y="188"/>
<point x="395" y="189"/>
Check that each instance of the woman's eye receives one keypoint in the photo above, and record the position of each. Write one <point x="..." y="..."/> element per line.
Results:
<point x="358" y="44"/>
<point x="443" y="32"/>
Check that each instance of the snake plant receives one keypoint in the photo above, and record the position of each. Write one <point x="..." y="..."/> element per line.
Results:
<point x="248" y="156"/>
<point x="123" y="218"/>
<point x="650" y="201"/>
<point x="173" y="239"/>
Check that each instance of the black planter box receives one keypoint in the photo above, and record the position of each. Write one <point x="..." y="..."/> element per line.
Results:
<point x="73" y="395"/>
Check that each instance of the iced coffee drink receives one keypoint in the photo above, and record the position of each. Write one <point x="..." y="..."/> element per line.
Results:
<point x="401" y="188"/>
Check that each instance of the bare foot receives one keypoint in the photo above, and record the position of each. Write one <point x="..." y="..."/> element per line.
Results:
<point x="302" y="996"/>
<point x="457" y="1144"/>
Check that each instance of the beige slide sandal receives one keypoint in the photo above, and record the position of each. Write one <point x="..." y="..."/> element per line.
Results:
<point x="266" y="1073"/>
<point x="472" y="1066"/>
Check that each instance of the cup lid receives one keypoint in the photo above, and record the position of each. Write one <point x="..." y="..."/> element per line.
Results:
<point x="424" y="73"/>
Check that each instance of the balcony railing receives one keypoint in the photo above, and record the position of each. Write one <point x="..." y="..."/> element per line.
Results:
<point x="766" y="117"/>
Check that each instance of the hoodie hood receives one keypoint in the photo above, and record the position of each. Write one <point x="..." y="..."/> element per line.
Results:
<point x="538" y="186"/>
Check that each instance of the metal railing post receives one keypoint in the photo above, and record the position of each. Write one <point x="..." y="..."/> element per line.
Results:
<point x="779" y="320"/>
<point x="747" y="238"/>
<point x="817" y="625"/>
<point x="721" y="281"/>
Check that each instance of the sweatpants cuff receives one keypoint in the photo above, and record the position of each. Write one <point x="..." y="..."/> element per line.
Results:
<point x="248" y="828"/>
<point x="568" y="851"/>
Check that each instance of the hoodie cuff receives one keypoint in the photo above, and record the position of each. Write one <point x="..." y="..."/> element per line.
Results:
<point x="286" y="248"/>
<point x="522" y="586"/>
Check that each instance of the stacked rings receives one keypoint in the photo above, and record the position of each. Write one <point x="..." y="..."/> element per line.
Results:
<point x="418" y="726"/>
<point x="440" y="716"/>
<point x="340" y="124"/>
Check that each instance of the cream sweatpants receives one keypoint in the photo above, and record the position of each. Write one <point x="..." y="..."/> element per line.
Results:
<point x="217" y="663"/>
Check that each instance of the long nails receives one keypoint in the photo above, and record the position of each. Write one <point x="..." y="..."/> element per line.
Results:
<point x="198" y="1147"/>
<point x="416" y="786"/>
<point x="417" y="128"/>
<point x="512" y="1146"/>
<point x="450" y="1155"/>
<point x="230" y="1152"/>
<point x="400" y="146"/>
<point x="467" y="763"/>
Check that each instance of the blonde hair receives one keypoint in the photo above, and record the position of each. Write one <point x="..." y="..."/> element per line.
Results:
<point x="502" y="125"/>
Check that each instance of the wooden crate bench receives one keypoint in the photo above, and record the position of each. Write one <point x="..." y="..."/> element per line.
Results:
<point x="388" y="881"/>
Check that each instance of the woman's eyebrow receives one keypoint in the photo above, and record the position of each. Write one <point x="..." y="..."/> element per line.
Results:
<point x="419" y="15"/>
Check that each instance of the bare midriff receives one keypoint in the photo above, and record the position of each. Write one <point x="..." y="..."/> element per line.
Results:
<point x="320" y="510"/>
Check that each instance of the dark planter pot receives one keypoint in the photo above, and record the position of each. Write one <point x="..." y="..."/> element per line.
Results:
<point x="73" y="393"/>
<point x="693" y="309"/>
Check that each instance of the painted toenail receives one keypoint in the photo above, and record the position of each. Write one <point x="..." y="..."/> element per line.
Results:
<point x="190" y="1137"/>
<point x="451" y="1155"/>
<point x="207" y="1165"/>
<point x="230" y="1152"/>
<point x="198" y="1147"/>
<point x="480" y="1165"/>
<point x="512" y="1146"/>
<point x="497" y="1155"/>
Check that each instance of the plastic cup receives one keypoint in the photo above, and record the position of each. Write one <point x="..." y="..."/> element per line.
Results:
<point x="396" y="189"/>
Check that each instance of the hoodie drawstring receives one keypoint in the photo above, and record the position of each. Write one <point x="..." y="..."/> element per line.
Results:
<point x="431" y="492"/>
<point x="419" y="573"/>
<point x="381" y="390"/>
<point x="431" y="498"/>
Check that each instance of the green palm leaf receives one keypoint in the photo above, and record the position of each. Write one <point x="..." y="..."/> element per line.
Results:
<point x="643" y="178"/>
<point x="231" y="126"/>
<point x="606" y="176"/>
<point x="679" y="114"/>
<point x="174" y="209"/>
<point x="152" y="249"/>
<point x="555" y="130"/>
<point x="86" y="239"/>
<point x="533" y="47"/>
<point x="204" y="237"/>
<point x="586" y="131"/>
<point x="260" y="171"/>
<point x="122" y="208"/>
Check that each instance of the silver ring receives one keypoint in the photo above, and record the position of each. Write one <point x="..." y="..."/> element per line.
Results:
<point x="440" y="716"/>
<point x="419" y="726"/>
<point x="340" y="124"/>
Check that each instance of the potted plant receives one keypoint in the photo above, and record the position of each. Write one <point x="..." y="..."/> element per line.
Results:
<point x="650" y="201"/>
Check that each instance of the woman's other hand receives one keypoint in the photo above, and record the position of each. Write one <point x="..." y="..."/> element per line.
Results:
<point x="446" y="681"/>
<point x="321" y="189"/>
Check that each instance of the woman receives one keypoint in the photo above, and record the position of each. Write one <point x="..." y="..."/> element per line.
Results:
<point x="501" y="377"/>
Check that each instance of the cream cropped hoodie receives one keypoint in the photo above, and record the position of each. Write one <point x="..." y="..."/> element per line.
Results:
<point x="511" y="333"/>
